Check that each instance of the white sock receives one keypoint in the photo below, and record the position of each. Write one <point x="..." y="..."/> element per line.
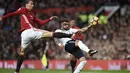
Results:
<point x="80" y="66"/>
<point x="83" y="47"/>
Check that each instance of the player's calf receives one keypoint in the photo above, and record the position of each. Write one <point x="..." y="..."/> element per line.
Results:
<point x="81" y="65"/>
<point x="56" y="35"/>
<point x="61" y="35"/>
<point x="19" y="61"/>
<point x="82" y="46"/>
<point x="73" y="64"/>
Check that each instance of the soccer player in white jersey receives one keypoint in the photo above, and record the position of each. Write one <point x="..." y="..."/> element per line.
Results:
<point x="74" y="46"/>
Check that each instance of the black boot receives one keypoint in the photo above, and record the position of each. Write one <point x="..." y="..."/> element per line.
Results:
<point x="92" y="52"/>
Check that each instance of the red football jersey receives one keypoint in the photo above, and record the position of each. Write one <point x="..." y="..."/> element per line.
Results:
<point x="27" y="18"/>
<point x="78" y="35"/>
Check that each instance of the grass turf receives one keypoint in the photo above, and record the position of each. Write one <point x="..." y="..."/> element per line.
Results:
<point x="62" y="71"/>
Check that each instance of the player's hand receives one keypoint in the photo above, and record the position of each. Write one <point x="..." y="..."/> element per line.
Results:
<point x="0" y="19"/>
<point x="53" y="17"/>
<point x="73" y="36"/>
<point x="61" y="46"/>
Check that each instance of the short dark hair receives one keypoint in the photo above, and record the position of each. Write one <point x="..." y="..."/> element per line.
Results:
<point x="64" y="20"/>
<point x="26" y="1"/>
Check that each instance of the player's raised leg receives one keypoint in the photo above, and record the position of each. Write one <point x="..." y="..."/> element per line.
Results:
<point x="56" y="35"/>
<point x="83" y="47"/>
<point x="46" y="34"/>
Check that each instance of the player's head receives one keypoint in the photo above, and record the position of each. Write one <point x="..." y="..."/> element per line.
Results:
<point x="65" y="24"/>
<point x="29" y="4"/>
<point x="72" y="23"/>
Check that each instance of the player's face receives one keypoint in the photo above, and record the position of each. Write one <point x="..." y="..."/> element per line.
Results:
<point x="30" y="5"/>
<point x="72" y="23"/>
<point x="66" y="25"/>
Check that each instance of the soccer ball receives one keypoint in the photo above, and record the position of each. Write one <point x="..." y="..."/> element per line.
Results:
<point x="94" y="20"/>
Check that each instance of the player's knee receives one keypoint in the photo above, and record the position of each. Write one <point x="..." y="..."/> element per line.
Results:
<point x="73" y="59"/>
<point x="84" y="62"/>
<point x="76" y="42"/>
<point x="21" y="53"/>
<point x="82" y="59"/>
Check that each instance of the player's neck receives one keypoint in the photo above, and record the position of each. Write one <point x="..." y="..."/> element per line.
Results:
<point x="28" y="9"/>
<point x="65" y="29"/>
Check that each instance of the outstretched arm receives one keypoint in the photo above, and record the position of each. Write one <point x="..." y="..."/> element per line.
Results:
<point x="85" y="28"/>
<point x="42" y="22"/>
<point x="94" y="19"/>
<point x="17" y="12"/>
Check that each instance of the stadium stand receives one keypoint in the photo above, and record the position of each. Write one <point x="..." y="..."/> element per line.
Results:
<point x="111" y="39"/>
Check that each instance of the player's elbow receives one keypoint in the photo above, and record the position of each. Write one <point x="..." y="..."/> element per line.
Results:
<point x="81" y="30"/>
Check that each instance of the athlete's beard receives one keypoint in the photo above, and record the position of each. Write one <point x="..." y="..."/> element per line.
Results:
<point x="66" y="28"/>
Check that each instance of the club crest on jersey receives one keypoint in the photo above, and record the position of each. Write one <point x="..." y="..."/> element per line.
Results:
<point x="31" y="17"/>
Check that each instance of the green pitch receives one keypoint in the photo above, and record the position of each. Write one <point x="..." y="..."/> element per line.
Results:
<point x="60" y="71"/>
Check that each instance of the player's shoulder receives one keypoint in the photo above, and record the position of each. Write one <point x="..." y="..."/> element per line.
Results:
<point x="22" y="8"/>
<point x="73" y="29"/>
<point x="58" y="30"/>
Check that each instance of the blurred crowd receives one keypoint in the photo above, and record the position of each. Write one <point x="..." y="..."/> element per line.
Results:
<point x="111" y="39"/>
<point x="54" y="3"/>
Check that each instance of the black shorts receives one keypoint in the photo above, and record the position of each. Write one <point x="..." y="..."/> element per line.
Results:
<point x="72" y="49"/>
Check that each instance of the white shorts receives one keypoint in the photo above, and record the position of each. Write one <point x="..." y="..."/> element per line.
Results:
<point x="30" y="34"/>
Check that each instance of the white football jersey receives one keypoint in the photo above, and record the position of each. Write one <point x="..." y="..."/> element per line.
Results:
<point x="70" y="31"/>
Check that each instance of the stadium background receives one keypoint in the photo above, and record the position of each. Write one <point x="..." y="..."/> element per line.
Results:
<point x="111" y="37"/>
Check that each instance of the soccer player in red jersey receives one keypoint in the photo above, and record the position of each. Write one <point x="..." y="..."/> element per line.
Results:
<point x="74" y="46"/>
<point x="28" y="30"/>
<point x="73" y="60"/>
<point x="78" y="36"/>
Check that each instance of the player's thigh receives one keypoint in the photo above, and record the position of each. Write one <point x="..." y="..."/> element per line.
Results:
<point x="38" y="34"/>
<point x="82" y="59"/>
<point x="43" y="33"/>
<point x="70" y="46"/>
<point x="72" y="49"/>
<point x="25" y="41"/>
<point x="27" y="36"/>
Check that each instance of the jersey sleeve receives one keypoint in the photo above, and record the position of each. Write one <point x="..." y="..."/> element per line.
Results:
<point x="58" y="30"/>
<point x="73" y="30"/>
<point x="41" y="22"/>
<point x="17" y="12"/>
